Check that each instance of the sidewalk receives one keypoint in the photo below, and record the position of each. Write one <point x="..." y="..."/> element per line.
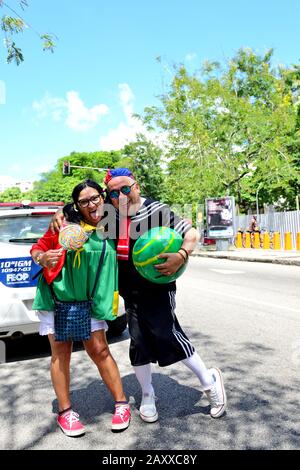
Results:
<point x="257" y="255"/>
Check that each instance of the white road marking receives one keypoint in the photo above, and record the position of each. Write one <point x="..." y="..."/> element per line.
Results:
<point x="250" y="300"/>
<point x="227" y="271"/>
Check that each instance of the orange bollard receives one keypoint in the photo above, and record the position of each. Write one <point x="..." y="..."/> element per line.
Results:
<point x="256" y="241"/>
<point x="276" y="241"/>
<point x="239" y="240"/>
<point x="288" y="244"/>
<point x="266" y="241"/>
<point x="248" y="240"/>
<point x="298" y="241"/>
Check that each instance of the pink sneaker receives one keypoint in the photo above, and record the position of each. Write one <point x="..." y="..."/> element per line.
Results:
<point x="69" y="423"/>
<point x="121" y="418"/>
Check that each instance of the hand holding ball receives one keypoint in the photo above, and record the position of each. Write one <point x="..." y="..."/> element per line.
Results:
<point x="149" y="246"/>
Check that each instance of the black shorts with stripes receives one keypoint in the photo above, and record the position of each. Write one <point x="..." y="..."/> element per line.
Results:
<point x="155" y="333"/>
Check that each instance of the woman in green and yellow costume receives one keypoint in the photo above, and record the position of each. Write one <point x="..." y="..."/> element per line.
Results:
<point x="71" y="274"/>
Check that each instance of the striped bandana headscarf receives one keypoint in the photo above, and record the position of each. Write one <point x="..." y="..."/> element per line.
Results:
<point x="124" y="222"/>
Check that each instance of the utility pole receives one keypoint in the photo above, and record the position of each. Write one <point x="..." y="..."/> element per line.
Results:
<point x="257" y="208"/>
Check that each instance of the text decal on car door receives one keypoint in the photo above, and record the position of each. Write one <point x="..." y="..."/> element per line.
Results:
<point x="18" y="272"/>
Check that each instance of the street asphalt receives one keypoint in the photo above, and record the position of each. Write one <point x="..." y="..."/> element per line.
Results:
<point x="241" y="317"/>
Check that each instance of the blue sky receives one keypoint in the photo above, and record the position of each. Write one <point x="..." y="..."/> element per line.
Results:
<point x="104" y="67"/>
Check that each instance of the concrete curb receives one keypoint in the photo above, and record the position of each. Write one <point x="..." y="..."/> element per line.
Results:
<point x="257" y="259"/>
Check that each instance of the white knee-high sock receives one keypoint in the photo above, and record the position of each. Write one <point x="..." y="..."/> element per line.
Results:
<point x="196" y="364"/>
<point x="144" y="377"/>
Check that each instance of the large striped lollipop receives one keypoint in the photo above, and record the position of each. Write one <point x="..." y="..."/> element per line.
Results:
<point x="72" y="237"/>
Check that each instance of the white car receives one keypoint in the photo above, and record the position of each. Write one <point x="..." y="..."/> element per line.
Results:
<point x="21" y="225"/>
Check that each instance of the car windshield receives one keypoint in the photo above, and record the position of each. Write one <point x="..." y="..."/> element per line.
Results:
<point x="23" y="229"/>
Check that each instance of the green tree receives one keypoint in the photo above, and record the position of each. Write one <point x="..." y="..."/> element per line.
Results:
<point x="53" y="186"/>
<point x="145" y="160"/>
<point x="13" y="24"/>
<point x="230" y="129"/>
<point x="11" y="195"/>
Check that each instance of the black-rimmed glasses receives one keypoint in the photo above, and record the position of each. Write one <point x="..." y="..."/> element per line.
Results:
<point x="85" y="202"/>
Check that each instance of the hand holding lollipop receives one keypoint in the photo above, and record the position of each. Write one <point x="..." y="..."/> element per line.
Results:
<point x="72" y="237"/>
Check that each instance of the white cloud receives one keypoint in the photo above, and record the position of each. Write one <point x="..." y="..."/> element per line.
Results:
<point x="72" y="110"/>
<point x="122" y="135"/>
<point x="126" y="99"/>
<point x="50" y="106"/>
<point x="7" y="180"/>
<point x="79" y="116"/>
<point x="127" y="130"/>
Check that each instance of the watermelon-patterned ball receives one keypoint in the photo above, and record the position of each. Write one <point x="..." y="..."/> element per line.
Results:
<point x="152" y="243"/>
<point x="72" y="237"/>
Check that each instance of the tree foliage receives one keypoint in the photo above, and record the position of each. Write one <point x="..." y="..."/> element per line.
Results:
<point x="12" y="24"/>
<point x="11" y="195"/>
<point x="144" y="159"/>
<point x="54" y="186"/>
<point x="231" y="130"/>
<point x="141" y="156"/>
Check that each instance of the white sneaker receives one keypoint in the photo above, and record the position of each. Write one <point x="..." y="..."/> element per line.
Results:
<point x="217" y="395"/>
<point x="148" y="411"/>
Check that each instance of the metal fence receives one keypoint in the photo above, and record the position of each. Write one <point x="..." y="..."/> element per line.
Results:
<point x="272" y="221"/>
